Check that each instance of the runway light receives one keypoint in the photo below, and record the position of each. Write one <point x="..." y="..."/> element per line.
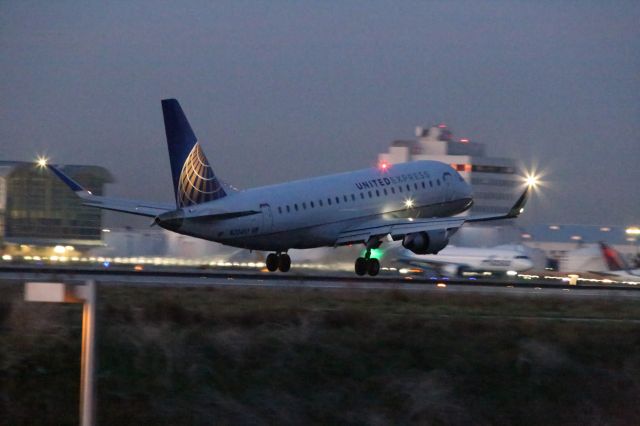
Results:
<point x="441" y="285"/>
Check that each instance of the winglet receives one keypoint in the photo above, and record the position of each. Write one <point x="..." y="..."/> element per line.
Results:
<point x="518" y="207"/>
<point x="75" y="186"/>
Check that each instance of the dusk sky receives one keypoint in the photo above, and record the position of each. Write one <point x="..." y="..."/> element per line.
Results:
<point x="280" y="90"/>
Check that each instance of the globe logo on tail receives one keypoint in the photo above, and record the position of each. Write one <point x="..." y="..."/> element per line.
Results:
<point x="197" y="183"/>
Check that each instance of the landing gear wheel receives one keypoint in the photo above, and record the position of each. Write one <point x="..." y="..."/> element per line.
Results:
<point x="272" y="262"/>
<point x="361" y="266"/>
<point x="373" y="267"/>
<point x="285" y="263"/>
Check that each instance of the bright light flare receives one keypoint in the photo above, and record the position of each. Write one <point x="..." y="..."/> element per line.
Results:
<point x="42" y="161"/>
<point x="632" y="230"/>
<point x="408" y="203"/>
<point x="532" y="181"/>
<point x="384" y="166"/>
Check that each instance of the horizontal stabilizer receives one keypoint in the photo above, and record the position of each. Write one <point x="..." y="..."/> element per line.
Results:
<point x="142" y="208"/>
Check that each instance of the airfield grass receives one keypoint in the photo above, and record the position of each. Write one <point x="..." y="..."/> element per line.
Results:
<point x="266" y="356"/>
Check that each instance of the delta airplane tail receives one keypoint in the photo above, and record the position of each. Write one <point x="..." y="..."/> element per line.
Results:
<point x="193" y="179"/>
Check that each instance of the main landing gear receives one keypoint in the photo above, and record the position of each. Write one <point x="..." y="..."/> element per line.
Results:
<point x="367" y="264"/>
<point x="280" y="261"/>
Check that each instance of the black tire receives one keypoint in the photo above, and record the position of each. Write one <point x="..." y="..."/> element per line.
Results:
<point x="361" y="266"/>
<point x="373" y="267"/>
<point x="272" y="262"/>
<point x="285" y="263"/>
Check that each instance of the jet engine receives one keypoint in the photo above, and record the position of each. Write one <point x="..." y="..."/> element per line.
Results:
<point x="429" y="242"/>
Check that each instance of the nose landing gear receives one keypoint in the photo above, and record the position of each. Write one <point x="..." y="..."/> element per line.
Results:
<point x="280" y="261"/>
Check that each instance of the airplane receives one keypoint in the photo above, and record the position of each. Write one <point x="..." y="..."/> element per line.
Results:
<point x="454" y="260"/>
<point x="616" y="265"/>
<point x="415" y="202"/>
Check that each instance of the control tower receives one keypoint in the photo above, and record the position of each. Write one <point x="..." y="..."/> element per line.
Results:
<point x="496" y="181"/>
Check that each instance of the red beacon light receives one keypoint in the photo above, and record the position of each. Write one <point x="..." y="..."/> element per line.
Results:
<point x="384" y="166"/>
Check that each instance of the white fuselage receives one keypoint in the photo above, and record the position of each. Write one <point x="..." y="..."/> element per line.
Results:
<point x="474" y="258"/>
<point x="313" y="212"/>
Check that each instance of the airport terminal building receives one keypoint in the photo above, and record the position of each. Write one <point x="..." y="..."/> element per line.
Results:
<point x="38" y="211"/>
<point x="496" y="181"/>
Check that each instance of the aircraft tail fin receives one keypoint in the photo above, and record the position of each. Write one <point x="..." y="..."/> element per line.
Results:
<point x="612" y="258"/>
<point x="193" y="179"/>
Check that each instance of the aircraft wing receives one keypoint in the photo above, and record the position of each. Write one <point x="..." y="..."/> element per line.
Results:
<point x="398" y="228"/>
<point x="142" y="208"/>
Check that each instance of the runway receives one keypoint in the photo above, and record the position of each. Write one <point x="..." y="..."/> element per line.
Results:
<point x="244" y="278"/>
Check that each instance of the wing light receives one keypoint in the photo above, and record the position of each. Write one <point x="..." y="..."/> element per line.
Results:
<point x="42" y="161"/>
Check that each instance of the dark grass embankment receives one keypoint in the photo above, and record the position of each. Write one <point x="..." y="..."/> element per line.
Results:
<point x="264" y="356"/>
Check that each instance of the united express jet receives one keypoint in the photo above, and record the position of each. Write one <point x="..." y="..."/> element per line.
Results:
<point x="414" y="202"/>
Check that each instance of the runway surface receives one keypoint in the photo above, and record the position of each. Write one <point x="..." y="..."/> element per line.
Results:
<point x="244" y="278"/>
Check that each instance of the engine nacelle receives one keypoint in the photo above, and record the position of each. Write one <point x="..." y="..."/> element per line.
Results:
<point x="430" y="242"/>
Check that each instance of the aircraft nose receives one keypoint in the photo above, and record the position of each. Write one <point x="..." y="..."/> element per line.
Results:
<point x="523" y="264"/>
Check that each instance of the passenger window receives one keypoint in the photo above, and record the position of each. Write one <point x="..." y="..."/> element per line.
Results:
<point x="344" y="197"/>
<point x="312" y="206"/>
<point x="362" y="195"/>
<point x="377" y="193"/>
<point x="370" y="195"/>
<point x="304" y="206"/>
<point x="280" y="210"/>
<point x="337" y="200"/>
<point x="329" y="201"/>
<point x="385" y="191"/>
<point x="431" y="184"/>
<point x="320" y="202"/>
<point x="288" y="209"/>
<point x="393" y="190"/>
<point x="295" y="206"/>
<point x="423" y="186"/>
<point x="353" y="197"/>
<point x="400" y="188"/>
<point x="408" y="188"/>
<point x="438" y="182"/>
<point x="415" y="186"/>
